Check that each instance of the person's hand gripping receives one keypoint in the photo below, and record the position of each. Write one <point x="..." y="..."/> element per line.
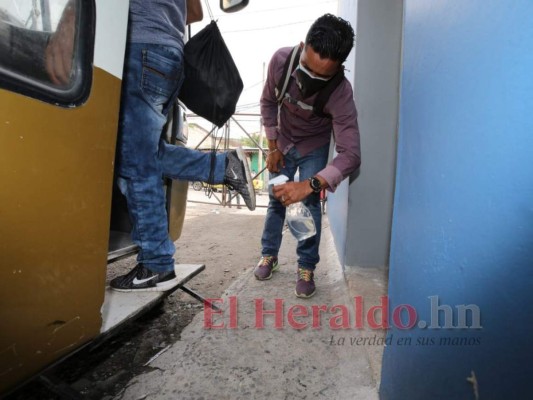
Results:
<point x="275" y="161"/>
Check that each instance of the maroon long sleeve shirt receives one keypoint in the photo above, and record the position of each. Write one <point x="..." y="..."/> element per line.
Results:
<point x="294" y="124"/>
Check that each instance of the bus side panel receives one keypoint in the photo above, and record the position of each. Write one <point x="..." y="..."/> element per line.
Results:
<point x="56" y="169"/>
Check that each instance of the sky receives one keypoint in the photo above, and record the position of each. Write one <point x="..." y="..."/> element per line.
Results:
<point x="22" y="9"/>
<point x="255" y="33"/>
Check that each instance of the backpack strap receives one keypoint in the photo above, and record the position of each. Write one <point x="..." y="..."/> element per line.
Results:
<point x="323" y="96"/>
<point x="290" y="66"/>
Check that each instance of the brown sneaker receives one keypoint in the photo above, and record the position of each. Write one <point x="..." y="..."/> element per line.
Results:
<point x="305" y="286"/>
<point x="265" y="267"/>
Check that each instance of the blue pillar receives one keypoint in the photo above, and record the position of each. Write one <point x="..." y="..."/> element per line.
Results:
<point x="462" y="234"/>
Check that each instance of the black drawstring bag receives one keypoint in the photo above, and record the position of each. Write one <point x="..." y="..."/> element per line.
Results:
<point x="212" y="84"/>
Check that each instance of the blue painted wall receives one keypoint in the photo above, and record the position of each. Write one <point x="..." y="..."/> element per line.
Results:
<point x="463" y="210"/>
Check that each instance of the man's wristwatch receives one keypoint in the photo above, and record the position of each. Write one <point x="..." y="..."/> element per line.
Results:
<point x="315" y="184"/>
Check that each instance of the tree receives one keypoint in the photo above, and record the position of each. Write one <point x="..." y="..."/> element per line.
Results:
<point x="247" y="142"/>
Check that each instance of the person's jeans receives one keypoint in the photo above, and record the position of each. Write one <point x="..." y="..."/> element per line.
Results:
<point x="307" y="167"/>
<point x="152" y="77"/>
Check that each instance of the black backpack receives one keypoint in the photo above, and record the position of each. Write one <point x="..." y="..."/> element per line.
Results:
<point x="322" y="97"/>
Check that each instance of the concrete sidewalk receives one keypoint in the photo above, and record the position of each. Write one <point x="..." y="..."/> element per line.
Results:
<point x="248" y="362"/>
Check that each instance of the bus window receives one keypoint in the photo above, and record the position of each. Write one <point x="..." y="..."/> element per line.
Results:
<point x="46" y="49"/>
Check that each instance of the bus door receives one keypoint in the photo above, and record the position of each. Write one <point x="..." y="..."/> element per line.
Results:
<point x="60" y="79"/>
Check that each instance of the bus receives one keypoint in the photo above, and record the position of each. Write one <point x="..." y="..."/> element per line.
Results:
<point x="62" y="219"/>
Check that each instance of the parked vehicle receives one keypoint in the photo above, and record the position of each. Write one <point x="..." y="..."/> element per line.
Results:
<point x="197" y="185"/>
<point x="258" y="184"/>
<point x="61" y="218"/>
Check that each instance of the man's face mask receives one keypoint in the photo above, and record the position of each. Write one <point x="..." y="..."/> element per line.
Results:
<point x="308" y="83"/>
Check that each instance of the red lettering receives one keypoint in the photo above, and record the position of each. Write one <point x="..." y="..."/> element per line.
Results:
<point x="359" y="312"/>
<point x="297" y="311"/>
<point x="232" y="312"/>
<point x="208" y="314"/>
<point x="260" y="313"/>
<point x="371" y="315"/>
<point x="341" y="321"/>
<point x="316" y="309"/>
<point x="397" y="316"/>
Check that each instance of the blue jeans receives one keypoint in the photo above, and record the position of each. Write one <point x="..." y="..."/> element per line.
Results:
<point x="307" y="166"/>
<point x="153" y="75"/>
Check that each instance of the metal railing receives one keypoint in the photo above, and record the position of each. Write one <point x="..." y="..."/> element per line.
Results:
<point x="221" y="141"/>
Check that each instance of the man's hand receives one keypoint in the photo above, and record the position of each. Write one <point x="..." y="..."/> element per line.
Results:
<point x="292" y="192"/>
<point x="275" y="161"/>
<point x="60" y="49"/>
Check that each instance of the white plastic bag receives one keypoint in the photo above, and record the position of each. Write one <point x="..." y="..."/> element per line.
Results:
<point x="300" y="221"/>
<point x="298" y="217"/>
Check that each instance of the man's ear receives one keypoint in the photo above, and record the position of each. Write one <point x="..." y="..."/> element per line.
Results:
<point x="302" y="45"/>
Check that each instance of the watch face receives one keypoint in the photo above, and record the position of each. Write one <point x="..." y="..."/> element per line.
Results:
<point x="315" y="184"/>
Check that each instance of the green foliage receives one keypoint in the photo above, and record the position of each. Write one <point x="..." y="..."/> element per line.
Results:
<point x="247" y="142"/>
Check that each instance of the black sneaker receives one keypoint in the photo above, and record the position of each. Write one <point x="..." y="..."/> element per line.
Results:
<point x="238" y="176"/>
<point x="141" y="279"/>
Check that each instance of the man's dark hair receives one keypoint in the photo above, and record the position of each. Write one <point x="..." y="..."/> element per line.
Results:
<point x="331" y="37"/>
